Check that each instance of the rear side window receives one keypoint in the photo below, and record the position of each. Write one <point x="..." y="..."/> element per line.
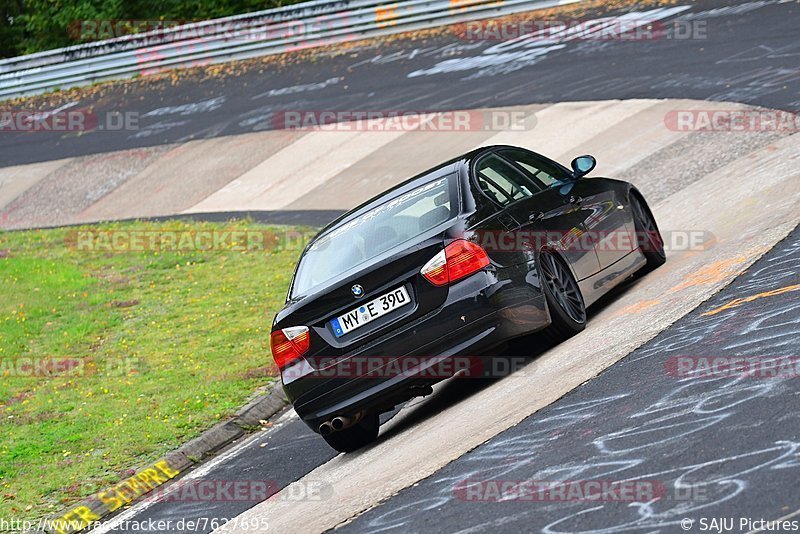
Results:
<point x="380" y="229"/>
<point x="545" y="172"/>
<point x="501" y="182"/>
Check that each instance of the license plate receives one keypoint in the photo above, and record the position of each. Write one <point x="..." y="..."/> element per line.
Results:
<point x="369" y="311"/>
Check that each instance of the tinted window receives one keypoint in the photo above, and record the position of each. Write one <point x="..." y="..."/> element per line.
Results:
<point x="501" y="182"/>
<point x="372" y="233"/>
<point x="546" y="172"/>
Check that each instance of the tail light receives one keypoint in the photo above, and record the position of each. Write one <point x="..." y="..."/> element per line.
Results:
<point x="458" y="259"/>
<point x="289" y="344"/>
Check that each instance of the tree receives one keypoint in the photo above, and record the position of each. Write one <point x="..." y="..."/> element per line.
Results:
<point x="29" y="26"/>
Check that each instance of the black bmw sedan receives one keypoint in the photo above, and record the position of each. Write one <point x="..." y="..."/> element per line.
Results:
<point x="399" y="292"/>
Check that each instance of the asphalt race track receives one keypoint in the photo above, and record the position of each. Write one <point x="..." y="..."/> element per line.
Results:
<point x="748" y="54"/>
<point x="722" y="447"/>
<point x="605" y="404"/>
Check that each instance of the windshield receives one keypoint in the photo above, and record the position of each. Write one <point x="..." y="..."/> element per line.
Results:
<point x="370" y="234"/>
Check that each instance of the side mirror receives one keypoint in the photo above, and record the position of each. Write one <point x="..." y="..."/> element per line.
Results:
<point x="583" y="165"/>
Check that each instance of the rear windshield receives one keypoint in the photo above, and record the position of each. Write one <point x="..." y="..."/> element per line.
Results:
<point x="372" y="233"/>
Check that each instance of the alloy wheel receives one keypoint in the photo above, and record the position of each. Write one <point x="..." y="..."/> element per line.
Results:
<point x="563" y="287"/>
<point x="647" y="226"/>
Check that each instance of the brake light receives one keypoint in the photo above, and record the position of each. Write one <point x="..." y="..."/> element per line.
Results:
<point x="458" y="259"/>
<point x="289" y="344"/>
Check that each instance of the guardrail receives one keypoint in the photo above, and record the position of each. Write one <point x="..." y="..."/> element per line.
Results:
<point x="272" y="31"/>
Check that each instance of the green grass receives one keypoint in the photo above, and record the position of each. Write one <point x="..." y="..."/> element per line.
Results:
<point x="167" y="343"/>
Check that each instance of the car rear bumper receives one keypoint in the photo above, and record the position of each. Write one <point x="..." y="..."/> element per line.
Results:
<point x="478" y="315"/>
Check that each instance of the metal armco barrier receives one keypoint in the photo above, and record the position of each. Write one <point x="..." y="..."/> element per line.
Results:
<point x="272" y="31"/>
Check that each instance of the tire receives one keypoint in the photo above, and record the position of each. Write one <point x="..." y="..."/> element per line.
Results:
<point x="360" y="434"/>
<point x="648" y="237"/>
<point x="564" y="299"/>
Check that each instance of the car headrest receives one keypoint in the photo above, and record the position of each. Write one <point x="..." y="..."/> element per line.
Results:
<point x="434" y="217"/>
<point x="378" y="239"/>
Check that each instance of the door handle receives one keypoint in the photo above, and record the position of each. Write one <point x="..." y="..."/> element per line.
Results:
<point x="508" y="221"/>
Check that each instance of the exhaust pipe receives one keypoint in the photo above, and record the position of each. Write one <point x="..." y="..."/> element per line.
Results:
<point x="341" y="422"/>
<point x="325" y="429"/>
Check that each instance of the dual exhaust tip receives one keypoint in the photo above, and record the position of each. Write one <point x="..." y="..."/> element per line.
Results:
<point x="340" y="422"/>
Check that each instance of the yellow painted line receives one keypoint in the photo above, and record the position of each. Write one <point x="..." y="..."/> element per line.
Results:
<point x="116" y="497"/>
<point x="735" y="303"/>
<point x="75" y="520"/>
<point x="139" y="484"/>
